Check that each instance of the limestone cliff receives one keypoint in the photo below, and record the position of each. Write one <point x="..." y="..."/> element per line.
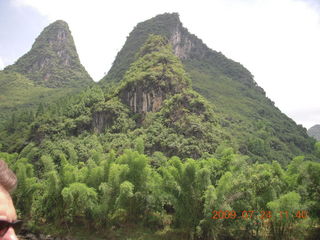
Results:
<point x="156" y="74"/>
<point x="141" y="99"/>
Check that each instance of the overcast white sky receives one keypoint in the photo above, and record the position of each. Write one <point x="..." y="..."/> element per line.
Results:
<point x="277" y="40"/>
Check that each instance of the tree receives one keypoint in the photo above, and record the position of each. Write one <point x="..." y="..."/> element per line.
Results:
<point x="27" y="187"/>
<point x="79" y="200"/>
<point x="124" y="200"/>
<point x="208" y="228"/>
<point x="139" y="145"/>
<point x="284" y="211"/>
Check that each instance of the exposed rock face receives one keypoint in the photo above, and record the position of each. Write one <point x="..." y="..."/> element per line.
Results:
<point x="181" y="46"/>
<point x="143" y="100"/>
<point x="53" y="60"/>
<point x="101" y="120"/>
<point x="156" y="74"/>
<point x="184" y="44"/>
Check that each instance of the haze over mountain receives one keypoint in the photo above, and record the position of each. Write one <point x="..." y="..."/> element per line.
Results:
<point x="314" y="131"/>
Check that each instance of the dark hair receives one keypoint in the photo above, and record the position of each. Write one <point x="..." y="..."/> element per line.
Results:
<point x="8" y="179"/>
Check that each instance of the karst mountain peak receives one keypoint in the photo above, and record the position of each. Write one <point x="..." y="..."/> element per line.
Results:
<point x="186" y="46"/>
<point x="53" y="60"/>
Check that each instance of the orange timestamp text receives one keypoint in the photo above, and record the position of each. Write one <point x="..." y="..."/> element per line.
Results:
<point x="263" y="215"/>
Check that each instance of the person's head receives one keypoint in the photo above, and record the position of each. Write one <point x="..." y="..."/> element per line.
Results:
<point x="8" y="216"/>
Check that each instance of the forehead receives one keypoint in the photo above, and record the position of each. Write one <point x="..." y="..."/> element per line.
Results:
<point x="7" y="210"/>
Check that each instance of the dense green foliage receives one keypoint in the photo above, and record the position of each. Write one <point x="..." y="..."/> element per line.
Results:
<point x="19" y="95"/>
<point x="172" y="197"/>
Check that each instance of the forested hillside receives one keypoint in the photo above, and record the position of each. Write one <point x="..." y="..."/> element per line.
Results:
<point x="257" y="127"/>
<point x="177" y="142"/>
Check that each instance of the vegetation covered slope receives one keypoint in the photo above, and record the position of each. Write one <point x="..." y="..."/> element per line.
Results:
<point x="258" y="127"/>
<point x="20" y="94"/>
<point x="104" y="165"/>
<point x="314" y="132"/>
<point x="53" y="60"/>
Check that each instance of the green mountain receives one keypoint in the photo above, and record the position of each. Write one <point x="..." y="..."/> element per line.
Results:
<point x="53" y="60"/>
<point x="181" y="146"/>
<point x="242" y="117"/>
<point x="154" y="102"/>
<point x="314" y="131"/>
<point x="49" y="71"/>
<point x="247" y="116"/>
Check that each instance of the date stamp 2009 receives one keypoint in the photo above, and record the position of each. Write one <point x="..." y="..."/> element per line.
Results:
<point x="263" y="215"/>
